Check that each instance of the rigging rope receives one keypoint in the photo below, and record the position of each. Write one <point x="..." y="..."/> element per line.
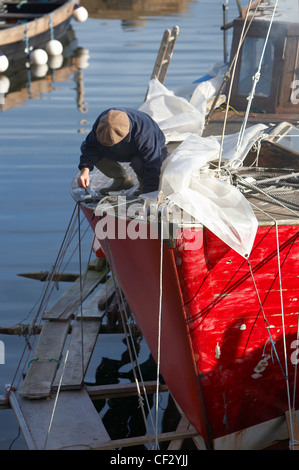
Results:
<point x="56" y="400"/>
<point x="159" y="321"/>
<point x="284" y="334"/>
<point x="286" y="374"/>
<point x="45" y="297"/>
<point x="82" y="335"/>
<point x="130" y="344"/>
<point x="82" y="285"/>
<point x="255" y="78"/>
<point x="275" y="200"/>
<point x="232" y="78"/>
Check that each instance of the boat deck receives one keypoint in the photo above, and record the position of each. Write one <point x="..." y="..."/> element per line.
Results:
<point x="273" y="194"/>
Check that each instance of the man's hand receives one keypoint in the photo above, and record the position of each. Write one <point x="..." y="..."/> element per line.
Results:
<point x="83" y="180"/>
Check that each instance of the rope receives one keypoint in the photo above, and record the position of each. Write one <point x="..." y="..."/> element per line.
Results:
<point x="227" y="75"/>
<point x="284" y="336"/>
<point x="51" y="27"/>
<point x="256" y="78"/>
<point x="44" y="359"/>
<point x="47" y="291"/>
<point x="295" y="370"/>
<point x="277" y="178"/>
<point x="82" y="283"/>
<point x="81" y="292"/>
<point x="274" y="200"/>
<point x="286" y="376"/>
<point x="82" y="342"/>
<point x="159" y="324"/>
<point x="232" y="79"/>
<point x="27" y="49"/>
<point x="264" y="315"/>
<point x="56" y="400"/>
<point x="126" y="325"/>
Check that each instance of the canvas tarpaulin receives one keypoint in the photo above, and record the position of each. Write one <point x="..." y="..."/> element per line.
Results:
<point x="213" y="202"/>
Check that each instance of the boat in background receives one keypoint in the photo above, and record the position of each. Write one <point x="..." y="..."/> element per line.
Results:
<point x="209" y="265"/>
<point x="22" y="81"/>
<point x="25" y="26"/>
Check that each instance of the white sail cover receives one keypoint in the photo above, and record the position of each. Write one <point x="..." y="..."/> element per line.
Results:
<point x="215" y="203"/>
<point x="182" y="112"/>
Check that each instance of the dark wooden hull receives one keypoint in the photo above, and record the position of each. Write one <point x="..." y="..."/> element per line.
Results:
<point x="37" y="30"/>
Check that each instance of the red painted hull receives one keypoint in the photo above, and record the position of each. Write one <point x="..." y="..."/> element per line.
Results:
<point x="216" y="354"/>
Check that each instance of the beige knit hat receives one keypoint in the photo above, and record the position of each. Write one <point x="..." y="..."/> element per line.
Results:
<point x="113" y="127"/>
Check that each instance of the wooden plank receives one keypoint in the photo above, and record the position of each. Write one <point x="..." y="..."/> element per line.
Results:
<point x="83" y="338"/>
<point x="69" y="302"/>
<point x="20" y="16"/>
<point x="21" y="329"/>
<point x="44" y="276"/>
<point x="42" y="368"/>
<point x="23" y="425"/>
<point x="107" y="293"/>
<point x="95" y="306"/>
<point x="184" y="425"/>
<point x="76" y="423"/>
<point x="140" y="440"/>
<point x="100" y="392"/>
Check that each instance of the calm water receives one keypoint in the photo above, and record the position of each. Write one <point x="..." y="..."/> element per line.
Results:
<point x="41" y="136"/>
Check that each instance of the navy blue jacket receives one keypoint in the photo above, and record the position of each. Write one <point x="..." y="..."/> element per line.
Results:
<point x="144" y="148"/>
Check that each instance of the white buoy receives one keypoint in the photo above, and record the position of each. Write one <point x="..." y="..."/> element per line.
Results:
<point x="55" y="61"/>
<point x="54" y="47"/>
<point x="3" y="63"/>
<point x="4" y="84"/>
<point x="38" y="57"/>
<point x="80" y="13"/>
<point x="39" y="70"/>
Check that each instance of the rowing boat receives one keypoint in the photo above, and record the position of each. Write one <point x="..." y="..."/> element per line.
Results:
<point x="25" y="26"/>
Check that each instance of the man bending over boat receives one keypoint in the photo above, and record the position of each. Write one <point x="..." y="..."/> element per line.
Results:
<point x="124" y="135"/>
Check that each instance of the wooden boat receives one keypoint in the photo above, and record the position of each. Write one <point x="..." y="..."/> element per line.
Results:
<point x="221" y="320"/>
<point x="31" y="24"/>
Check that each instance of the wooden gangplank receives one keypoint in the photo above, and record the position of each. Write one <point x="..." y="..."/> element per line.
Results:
<point x="82" y="341"/>
<point x="73" y="424"/>
<point x="48" y="354"/>
<point x="42" y="368"/>
<point x="67" y="418"/>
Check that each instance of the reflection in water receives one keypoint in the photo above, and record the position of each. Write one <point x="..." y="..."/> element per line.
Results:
<point x="123" y="417"/>
<point x="23" y="81"/>
<point x="133" y="13"/>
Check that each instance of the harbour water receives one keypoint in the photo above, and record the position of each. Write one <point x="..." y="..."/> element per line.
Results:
<point x="43" y="124"/>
